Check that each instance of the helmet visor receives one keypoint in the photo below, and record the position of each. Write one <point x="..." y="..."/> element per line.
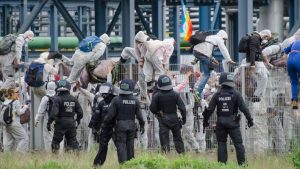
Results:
<point x="104" y="89"/>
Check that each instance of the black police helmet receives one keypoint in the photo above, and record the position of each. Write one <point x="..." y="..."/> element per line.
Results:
<point x="164" y="83"/>
<point x="126" y="86"/>
<point x="106" y="88"/>
<point x="63" y="85"/>
<point x="226" y="79"/>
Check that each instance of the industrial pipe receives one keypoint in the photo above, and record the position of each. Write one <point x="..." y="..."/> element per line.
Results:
<point x="72" y="42"/>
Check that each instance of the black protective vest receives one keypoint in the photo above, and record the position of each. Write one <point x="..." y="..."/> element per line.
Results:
<point x="226" y="103"/>
<point x="127" y="107"/>
<point x="67" y="104"/>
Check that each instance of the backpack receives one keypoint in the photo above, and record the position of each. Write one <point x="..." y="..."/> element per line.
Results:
<point x="25" y="117"/>
<point x="199" y="37"/>
<point x="7" y="44"/>
<point x="88" y="43"/>
<point x="244" y="44"/>
<point x="34" y="75"/>
<point x="49" y="105"/>
<point x="6" y="115"/>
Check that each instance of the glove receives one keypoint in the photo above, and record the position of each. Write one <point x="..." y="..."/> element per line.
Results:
<point x="250" y="123"/>
<point x="142" y="130"/>
<point x="96" y="134"/>
<point x="205" y="123"/>
<point x="122" y="60"/>
<point x="48" y="126"/>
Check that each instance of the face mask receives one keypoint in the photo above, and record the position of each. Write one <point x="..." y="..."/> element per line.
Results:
<point x="264" y="41"/>
<point x="27" y="40"/>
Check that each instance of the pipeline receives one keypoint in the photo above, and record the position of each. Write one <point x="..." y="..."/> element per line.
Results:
<point x="72" y="42"/>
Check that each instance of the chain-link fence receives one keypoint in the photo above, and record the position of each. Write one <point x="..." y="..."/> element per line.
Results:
<point x="266" y="91"/>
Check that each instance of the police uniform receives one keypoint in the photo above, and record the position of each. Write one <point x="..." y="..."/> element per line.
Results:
<point x="228" y="101"/>
<point x="99" y="112"/>
<point x="65" y="107"/>
<point x="164" y="104"/>
<point x="122" y="112"/>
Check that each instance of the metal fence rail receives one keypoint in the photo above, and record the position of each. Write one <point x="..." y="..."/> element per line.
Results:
<point x="276" y="126"/>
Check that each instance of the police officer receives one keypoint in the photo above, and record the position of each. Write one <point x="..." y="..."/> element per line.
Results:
<point x="164" y="105"/>
<point x="122" y="112"/>
<point x="228" y="101"/>
<point x="100" y="110"/>
<point x="63" y="111"/>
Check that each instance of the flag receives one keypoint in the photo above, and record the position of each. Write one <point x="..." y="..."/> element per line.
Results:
<point x="186" y="29"/>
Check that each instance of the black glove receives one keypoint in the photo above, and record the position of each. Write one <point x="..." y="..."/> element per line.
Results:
<point x="49" y="126"/>
<point x="250" y="123"/>
<point x="205" y="123"/>
<point x="142" y="130"/>
<point x="183" y="120"/>
<point x="96" y="134"/>
<point x="122" y="60"/>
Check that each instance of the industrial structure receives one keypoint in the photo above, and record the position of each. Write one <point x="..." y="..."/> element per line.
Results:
<point x="67" y="21"/>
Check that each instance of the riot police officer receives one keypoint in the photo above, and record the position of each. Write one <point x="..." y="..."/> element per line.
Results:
<point x="100" y="110"/>
<point x="164" y="105"/>
<point x="228" y="101"/>
<point x="65" y="107"/>
<point x="122" y="112"/>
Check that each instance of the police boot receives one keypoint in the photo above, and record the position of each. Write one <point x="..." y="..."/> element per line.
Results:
<point x="55" y="148"/>
<point x="222" y="152"/>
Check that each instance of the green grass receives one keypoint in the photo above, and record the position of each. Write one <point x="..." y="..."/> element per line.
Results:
<point x="143" y="160"/>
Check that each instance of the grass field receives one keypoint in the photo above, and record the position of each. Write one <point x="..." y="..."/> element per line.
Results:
<point x="42" y="160"/>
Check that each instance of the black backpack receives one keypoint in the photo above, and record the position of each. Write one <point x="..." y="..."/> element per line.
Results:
<point x="34" y="75"/>
<point x="7" y="43"/>
<point x="244" y="44"/>
<point x="199" y="37"/>
<point x="49" y="105"/>
<point x="96" y="117"/>
<point x="6" y="114"/>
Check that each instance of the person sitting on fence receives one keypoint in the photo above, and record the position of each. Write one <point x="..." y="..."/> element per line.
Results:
<point x="254" y="58"/>
<point x="40" y="72"/>
<point x="203" y="52"/>
<point x="156" y="59"/>
<point x="11" y="47"/>
<point x="293" y="67"/>
<point x="128" y="53"/>
<point x="88" y="54"/>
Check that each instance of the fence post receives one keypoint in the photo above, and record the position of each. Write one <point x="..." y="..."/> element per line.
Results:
<point x="243" y="119"/>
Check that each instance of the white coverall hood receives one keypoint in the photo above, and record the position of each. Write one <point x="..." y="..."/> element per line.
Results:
<point x="140" y="37"/>
<point x="50" y="86"/>
<point x="44" y="58"/>
<point x="127" y="53"/>
<point x="222" y="34"/>
<point x="265" y="32"/>
<point x="29" y="34"/>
